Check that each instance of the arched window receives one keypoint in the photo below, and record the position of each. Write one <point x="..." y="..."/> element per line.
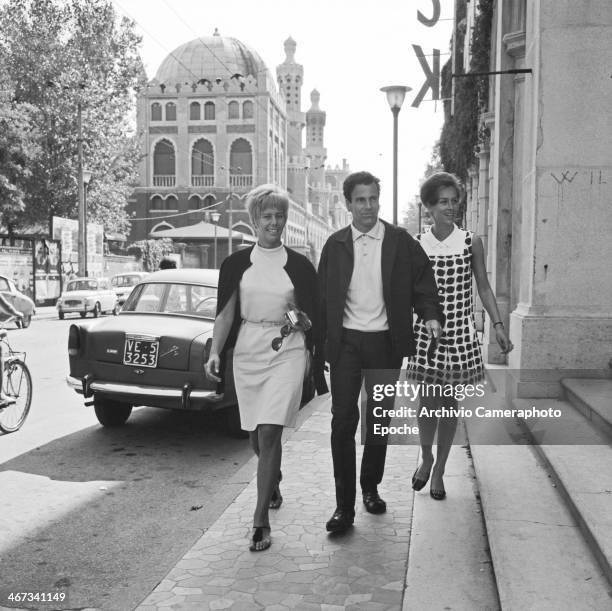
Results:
<point x="247" y="110"/>
<point x="193" y="203"/>
<point x="171" y="203"/>
<point x="209" y="111"/>
<point x="208" y="201"/>
<point x="164" y="164"/>
<point x="233" y="110"/>
<point x="202" y="164"/>
<point x="241" y="163"/>
<point x="162" y="227"/>
<point x="170" y="111"/>
<point x="194" y="111"/>
<point x="156" y="111"/>
<point x="157" y="203"/>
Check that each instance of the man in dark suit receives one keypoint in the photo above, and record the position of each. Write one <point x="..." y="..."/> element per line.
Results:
<point x="372" y="275"/>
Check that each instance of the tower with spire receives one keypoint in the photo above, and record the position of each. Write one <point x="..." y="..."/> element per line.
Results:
<point x="317" y="154"/>
<point x="290" y="77"/>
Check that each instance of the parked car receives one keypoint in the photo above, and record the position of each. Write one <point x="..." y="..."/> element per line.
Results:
<point x="153" y="352"/>
<point x="20" y="301"/>
<point x="83" y="295"/>
<point x="124" y="283"/>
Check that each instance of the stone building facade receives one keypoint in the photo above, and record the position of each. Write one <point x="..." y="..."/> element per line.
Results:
<point x="214" y="124"/>
<point x="539" y="195"/>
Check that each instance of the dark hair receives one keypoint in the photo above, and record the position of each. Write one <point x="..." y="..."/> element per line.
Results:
<point x="432" y="185"/>
<point x="358" y="178"/>
<point x="167" y="263"/>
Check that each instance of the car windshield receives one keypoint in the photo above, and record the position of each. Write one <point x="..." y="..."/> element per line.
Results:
<point x="168" y="298"/>
<point x="126" y="280"/>
<point x="82" y="285"/>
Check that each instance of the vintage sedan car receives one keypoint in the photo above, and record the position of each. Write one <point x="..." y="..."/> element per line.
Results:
<point x="20" y="301"/>
<point x="83" y="295"/>
<point x="153" y="352"/>
<point x="124" y="283"/>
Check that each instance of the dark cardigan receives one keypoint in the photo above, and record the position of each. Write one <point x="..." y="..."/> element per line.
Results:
<point x="303" y="276"/>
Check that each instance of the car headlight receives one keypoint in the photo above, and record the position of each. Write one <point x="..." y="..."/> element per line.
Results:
<point x="59" y="301"/>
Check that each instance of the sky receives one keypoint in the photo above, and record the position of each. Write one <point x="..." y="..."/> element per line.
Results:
<point x="349" y="50"/>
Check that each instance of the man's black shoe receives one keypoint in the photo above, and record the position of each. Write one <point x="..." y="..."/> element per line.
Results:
<point x="341" y="520"/>
<point x="373" y="503"/>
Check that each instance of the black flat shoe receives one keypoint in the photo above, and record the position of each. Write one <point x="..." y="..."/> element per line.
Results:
<point x="341" y="520"/>
<point x="373" y="503"/>
<point x="419" y="484"/>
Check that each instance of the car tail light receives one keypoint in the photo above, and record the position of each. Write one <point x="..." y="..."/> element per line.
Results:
<point x="74" y="340"/>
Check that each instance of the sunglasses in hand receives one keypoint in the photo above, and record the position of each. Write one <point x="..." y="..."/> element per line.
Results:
<point x="277" y="342"/>
<point x="431" y="350"/>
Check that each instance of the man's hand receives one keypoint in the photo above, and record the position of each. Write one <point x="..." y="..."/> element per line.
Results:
<point x="434" y="328"/>
<point x="211" y="369"/>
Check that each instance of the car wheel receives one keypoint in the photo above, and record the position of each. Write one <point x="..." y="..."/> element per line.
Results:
<point x="83" y="314"/>
<point x="231" y="422"/>
<point x="96" y="310"/>
<point x="61" y="315"/>
<point x="111" y="413"/>
<point x="25" y="321"/>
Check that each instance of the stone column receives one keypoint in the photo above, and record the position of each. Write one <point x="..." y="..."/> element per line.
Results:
<point x="562" y="325"/>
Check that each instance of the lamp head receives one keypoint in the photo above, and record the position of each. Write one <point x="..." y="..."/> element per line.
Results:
<point x="395" y="95"/>
<point x="87" y="174"/>
<point x="215" y="216"/>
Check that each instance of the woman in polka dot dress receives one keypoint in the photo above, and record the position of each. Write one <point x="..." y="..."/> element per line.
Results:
<point x="455" y="255"/>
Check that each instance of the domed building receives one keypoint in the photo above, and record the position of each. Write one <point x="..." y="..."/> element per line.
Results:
<point x="214" y="124"/>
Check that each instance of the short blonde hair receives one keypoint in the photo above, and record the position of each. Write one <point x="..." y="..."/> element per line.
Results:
<point x="265" y="196"/>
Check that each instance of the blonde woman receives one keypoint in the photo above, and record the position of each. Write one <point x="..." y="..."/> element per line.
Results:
<point x="257" y="287"/>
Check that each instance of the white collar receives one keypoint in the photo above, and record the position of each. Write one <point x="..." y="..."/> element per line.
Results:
<point x="376" y="232"/>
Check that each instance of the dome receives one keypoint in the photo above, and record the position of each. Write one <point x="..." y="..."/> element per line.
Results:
<point x="209" y="57"/>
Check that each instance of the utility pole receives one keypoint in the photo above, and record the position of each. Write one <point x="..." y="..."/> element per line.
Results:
<point x="82" y="239"/>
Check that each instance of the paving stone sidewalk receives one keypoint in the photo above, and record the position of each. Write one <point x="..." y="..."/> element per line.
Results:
<point x="305" y="568"/>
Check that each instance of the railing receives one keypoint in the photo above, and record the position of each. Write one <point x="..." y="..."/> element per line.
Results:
<point x="167" y="180"/>
<point x="202" y="180"/>
<point x="241" y="180"/>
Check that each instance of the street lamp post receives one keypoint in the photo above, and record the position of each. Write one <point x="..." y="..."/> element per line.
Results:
<point x="230" y="213"/>
<point x="395" y="97"/>
<point x="215" y="216"/>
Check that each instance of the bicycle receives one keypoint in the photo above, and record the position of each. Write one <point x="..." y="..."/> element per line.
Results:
<point x="16" y="383"/>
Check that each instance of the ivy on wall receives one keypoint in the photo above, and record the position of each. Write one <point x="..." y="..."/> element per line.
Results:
<point x="461" y="133"/>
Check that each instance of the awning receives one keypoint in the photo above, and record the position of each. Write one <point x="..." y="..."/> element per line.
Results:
<point x="202" y="231"/>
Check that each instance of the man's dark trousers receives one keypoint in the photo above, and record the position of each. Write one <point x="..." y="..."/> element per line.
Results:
<point x="360" y="351"/>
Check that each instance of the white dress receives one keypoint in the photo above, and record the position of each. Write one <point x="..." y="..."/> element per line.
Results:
<point x="268" y="383"/>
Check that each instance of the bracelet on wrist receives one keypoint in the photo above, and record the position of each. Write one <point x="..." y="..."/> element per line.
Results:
<point x="499" y="322"/>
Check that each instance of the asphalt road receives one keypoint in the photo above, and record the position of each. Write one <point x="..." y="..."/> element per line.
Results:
<point x="104" y="513"/>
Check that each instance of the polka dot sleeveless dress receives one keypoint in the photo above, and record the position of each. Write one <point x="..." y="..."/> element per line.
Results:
<point x="457" y="359"/>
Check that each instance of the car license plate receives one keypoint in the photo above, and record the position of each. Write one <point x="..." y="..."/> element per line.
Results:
<point x="141" y="351"/>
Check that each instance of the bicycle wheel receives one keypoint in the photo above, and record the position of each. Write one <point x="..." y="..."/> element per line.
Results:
<point x="16" y="383"/>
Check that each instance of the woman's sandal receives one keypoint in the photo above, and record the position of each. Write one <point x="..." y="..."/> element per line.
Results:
<point x="258" y="537"/>
<point x="438" y="495"/>
<point x="419" y="484"/>
<point x="276" y="500"/>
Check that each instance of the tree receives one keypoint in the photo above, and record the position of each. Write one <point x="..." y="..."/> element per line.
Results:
<point x="151" y="252"/>
<point x="68" y="58"/>
<point x="18" y="150"/>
